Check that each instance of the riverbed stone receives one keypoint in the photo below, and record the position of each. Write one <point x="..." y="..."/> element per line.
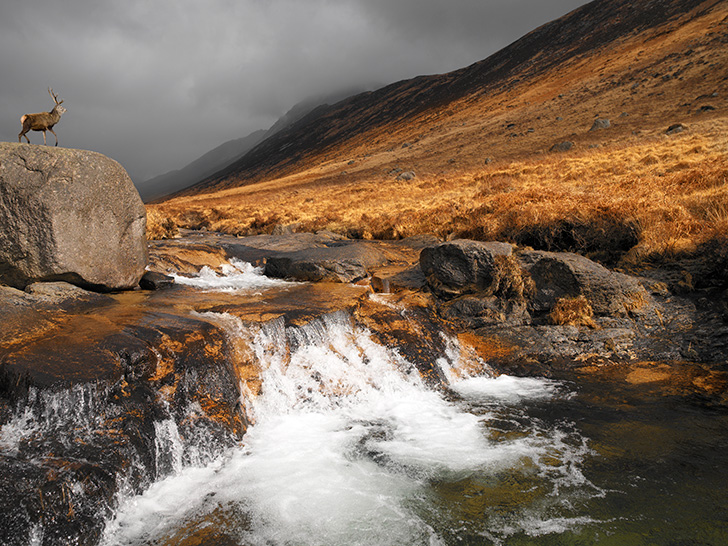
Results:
<point x="567" y="275"/>
<point x="69" y="215"/>
<point x="461" y="266"/>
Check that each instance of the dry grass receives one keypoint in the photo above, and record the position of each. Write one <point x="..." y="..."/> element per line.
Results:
<point x="160" y="226"/>
<point x="573" y="311"/>
<point x="629" y="195"/>
<point x="642" y="200"/>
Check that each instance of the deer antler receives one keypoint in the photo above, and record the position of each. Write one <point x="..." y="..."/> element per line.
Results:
<point x="54" y="96"/>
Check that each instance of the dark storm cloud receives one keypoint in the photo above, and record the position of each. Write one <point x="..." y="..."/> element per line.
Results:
<point x="156" y="84"/>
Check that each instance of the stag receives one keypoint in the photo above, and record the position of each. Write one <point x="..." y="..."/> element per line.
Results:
<point x="43" y="121"/>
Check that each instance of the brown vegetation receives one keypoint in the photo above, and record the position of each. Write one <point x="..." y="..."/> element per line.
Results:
<point x="160" y="225"/>
<point x="612" y="202"/>
<point x="573" y="311"/>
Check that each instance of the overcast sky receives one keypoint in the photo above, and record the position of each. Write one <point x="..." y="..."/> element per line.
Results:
<point x="157" y="83"/>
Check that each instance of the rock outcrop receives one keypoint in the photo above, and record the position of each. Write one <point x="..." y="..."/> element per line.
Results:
<point x="560" y="275"/>
<point x="509" y="299"/>
<point x="69" y="215"/>
<point x="461" y="267"/>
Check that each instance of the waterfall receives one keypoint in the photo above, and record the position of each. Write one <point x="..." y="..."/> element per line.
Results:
<point x="350" y="447"/>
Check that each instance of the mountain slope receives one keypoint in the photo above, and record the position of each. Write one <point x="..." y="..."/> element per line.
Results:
<point x="202" y="167"/>
<point x="228" y="152"/>
<point x="586" y="50"/>
<point x="483" y="148"/>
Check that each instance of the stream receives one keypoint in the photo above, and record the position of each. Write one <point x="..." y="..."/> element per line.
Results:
<point x="348" y="444"/>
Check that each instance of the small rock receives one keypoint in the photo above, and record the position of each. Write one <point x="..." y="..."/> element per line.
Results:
<point x="154" y="280"/>
<point x="488" y="160"/>
<point x="407" y="175"/>
<point x="286" y="229"/>
<point x="675" y="128"/>
<point x="562" y="146"/>
<point x="707" y="108"/>
<point x="600" y="124"/>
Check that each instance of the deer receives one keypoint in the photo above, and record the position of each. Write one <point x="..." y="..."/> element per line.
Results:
<point x="43" y="121"/>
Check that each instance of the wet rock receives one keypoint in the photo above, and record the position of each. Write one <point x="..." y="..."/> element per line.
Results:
<point x="344" y="263"/>
<point x="461" y="266"/>
<point x="69" y="215"/>
<point x="476" y="312"/>
<point x="40" y="306"/>
<point x="566" y="275"/>
<point x="154" y="280"/>
<point x="103" y="400"/>
<point x="562" y="146"/>
<point x="398" y="279"/>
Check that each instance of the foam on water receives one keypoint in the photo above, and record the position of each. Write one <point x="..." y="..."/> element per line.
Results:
<point x="347" y="440"/>
<point x="235" y="276"/>
<point x="506" y="389"/>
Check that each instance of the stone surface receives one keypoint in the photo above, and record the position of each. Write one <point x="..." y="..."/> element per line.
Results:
<point x="341" y="263"/>
<point x="566" y="275"/>
<point x="69" y="215"/>
<point x="461" y="266"/>
<point x="600" y="124"/>
<point x="407" y="175"/>
<point x="562" y="146"/>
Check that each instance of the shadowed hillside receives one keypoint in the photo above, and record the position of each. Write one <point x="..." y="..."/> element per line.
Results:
<point x="593" y="33"/>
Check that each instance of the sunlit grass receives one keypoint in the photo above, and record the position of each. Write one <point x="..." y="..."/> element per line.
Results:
<point x="655" y="199"/>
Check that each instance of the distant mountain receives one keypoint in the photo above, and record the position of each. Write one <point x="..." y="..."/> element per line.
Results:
<point x="645" y="61"/>
<point x="230" y="151"/>
<point x="204" y="166"/>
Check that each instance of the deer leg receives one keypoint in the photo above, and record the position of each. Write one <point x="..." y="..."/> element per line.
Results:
<point x="54" y="134"/>
<point x="22" y="134"/>
<point x="44" y="140"/>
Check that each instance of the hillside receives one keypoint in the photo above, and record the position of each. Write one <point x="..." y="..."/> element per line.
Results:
<point x="479" y="141"/>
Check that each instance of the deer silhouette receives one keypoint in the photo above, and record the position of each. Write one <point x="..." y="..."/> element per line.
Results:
<point x="43" y="121"/>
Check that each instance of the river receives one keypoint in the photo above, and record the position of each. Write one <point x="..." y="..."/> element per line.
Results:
<point x="349" y="445"/>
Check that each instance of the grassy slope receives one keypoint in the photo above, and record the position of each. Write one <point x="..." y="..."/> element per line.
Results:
<point x="628" y="193"/>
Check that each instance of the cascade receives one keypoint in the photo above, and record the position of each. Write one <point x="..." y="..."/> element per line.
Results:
<point x="349" y="446"/>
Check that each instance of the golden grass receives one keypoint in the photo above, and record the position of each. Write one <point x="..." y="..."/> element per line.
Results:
<point x="160" y="225"/>
<point x="641" y="199"/>
<point x="573" y="311"/>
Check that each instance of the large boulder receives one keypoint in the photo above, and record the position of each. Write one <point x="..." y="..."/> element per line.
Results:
<point x="69" y="215"/>
<point x="560" y="275"/>
<point x="461" y="266"/>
